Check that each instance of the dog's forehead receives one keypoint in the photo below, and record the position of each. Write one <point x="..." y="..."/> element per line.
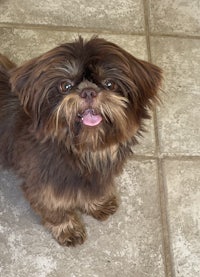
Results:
<point x="74" y="67"/>
<point x="70" y="66"/>
<point x="76" y="59"/>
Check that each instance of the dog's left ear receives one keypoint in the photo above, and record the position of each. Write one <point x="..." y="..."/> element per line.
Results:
<point x="147" y="79"/>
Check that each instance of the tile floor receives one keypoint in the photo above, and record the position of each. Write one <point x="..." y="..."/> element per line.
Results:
<point x="156" y="231"/>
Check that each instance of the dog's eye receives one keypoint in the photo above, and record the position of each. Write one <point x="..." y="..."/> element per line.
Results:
<point x="65" y="86"/>
<point x="110" y="85"/>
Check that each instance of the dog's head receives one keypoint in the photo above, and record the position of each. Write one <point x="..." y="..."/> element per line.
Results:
<point x="89" y="94"/>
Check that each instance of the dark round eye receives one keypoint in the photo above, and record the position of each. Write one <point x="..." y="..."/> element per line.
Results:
<point x="65" y="86"/>
<point x="110" y="85"/>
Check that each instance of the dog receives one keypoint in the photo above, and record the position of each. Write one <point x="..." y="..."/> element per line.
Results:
<point x="68" y="121"/>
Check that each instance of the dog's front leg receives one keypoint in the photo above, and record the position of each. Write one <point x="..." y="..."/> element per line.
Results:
<point x="65" y="227"/>
<point x="102" y="208"/>
<point x="57" y="215"/>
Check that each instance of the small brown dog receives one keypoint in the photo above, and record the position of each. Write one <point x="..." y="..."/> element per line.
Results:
<point x="68" y="121"/>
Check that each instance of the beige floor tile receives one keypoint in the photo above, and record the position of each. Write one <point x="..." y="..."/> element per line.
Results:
<point x="175" y="16"/>
<point x="146" y="144"/>
<point x="179" y="116"/>
<point x="183" y="193"/>
<point x="128" y="244"/>
<point x="23" y="44"/>
<point x="113" y="15"/>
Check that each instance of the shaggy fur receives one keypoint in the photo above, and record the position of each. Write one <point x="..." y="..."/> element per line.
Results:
<point x="68" y="121"/>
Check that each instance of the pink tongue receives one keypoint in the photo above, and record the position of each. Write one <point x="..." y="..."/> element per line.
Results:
<point x="90" y="119"/>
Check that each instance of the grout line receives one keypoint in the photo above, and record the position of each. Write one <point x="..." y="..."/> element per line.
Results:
<point x="67" y="29"/>
<point x="175" y="35"/>
<point x="146" y="28"/>
<point x="58" y="28"/>
<point x="168" y="254"/>
<point x="162" y="157"/>
<point x="179" y="157"/>
<point x="168" y="259"/>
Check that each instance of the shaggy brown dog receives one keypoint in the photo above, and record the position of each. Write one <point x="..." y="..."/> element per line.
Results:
<point x="68" y="121"/>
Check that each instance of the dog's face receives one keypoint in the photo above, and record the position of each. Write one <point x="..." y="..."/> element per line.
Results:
<point x="90" y="94"/>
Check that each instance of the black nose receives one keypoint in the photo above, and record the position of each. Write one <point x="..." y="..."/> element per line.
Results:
<point x="88" y="93"/>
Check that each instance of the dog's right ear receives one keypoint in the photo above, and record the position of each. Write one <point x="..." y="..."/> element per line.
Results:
<point x="6" y="63"/>
<point x="22" y="83"/>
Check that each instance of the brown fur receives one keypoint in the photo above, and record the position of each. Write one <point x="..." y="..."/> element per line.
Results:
<point x="69" y="167"/>
<point x="6" y="63"/>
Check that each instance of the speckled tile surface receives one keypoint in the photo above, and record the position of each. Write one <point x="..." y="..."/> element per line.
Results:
<point x="179" y="117"/>
<point x="183" y="194"/>
<point x="156" y="231"/>
<point x="115" y="15"/>
<point x="23" y="44"/>
<point x="175" y="17"/>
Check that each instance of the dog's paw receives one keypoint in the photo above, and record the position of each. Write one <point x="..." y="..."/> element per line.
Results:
<point x="71" y="237"/>
<point x="68" y="233"/>
<point x="102" y="210"/>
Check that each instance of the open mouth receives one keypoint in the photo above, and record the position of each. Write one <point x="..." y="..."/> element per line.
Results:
<point x="90" y="118"/>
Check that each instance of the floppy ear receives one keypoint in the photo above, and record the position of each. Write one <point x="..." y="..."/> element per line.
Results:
<point x="6" y="63"/>
<point x="22" y="83"/>
<point x="31" y="81"/>
<point x="147" y="78"/>
<point x="142" y="78"/>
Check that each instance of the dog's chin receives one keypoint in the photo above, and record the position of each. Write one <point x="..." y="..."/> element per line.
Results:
<point x="94" y="134"/>
<point x="89" y="129"/>
<point x="90" y="133"/>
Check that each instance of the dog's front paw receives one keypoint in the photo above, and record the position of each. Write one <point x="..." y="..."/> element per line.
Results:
<point x="71" y="236"/>
<point x="103" y="209"/>
<point x="68" y="233"/>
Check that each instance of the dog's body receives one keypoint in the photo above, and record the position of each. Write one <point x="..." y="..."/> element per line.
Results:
<point x="68" y="121"/>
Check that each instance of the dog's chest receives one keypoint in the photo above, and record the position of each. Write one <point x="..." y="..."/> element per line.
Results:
<point x="100" y="160"/>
